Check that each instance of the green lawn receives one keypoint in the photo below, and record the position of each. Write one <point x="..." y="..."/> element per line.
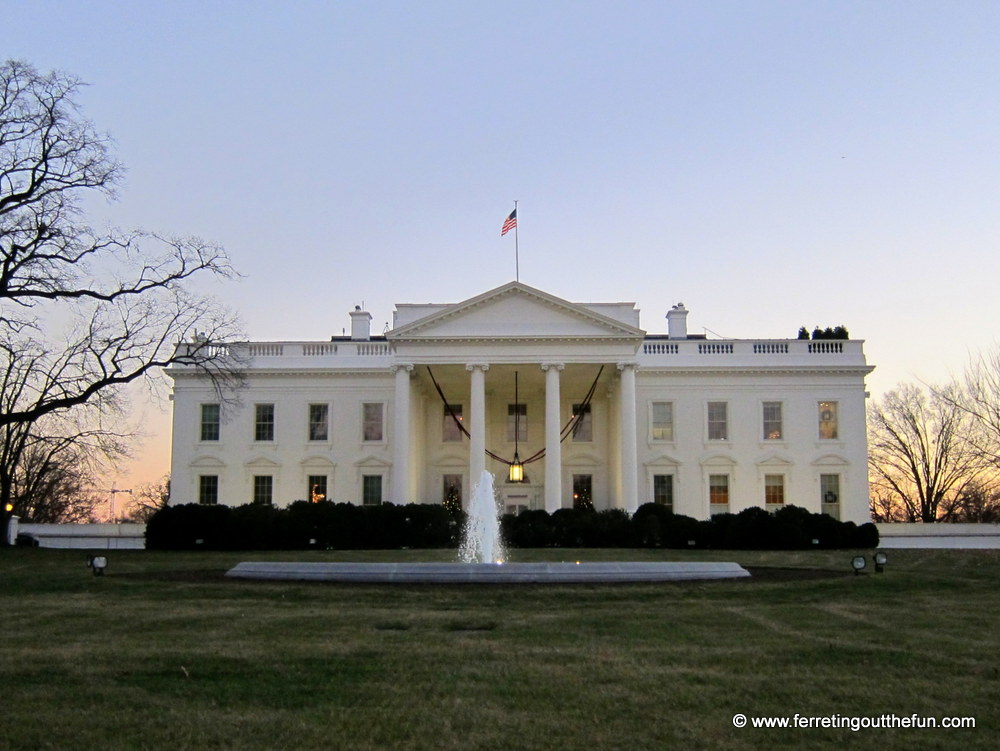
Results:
<point x="164" y="653"/>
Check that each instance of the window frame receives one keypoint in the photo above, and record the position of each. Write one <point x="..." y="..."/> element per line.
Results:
<point x="583" y="490"/>
<point x="368" y="421"/>
<point x="774" y="490"/>
<point x="653" y="423"/>
<point x="208" y="490"/>
<point x="586" y="424"/>
<point x="318" y="430"/>
<point x="727" y="488"/>
<point x="263" y="422"/>
<point x="521" y="422"/>
<point x="312" y="493"/>
<point x="450" y="432"/>
<point x="368" y="479"/>
<point x="768" y="423"/>
<point x="207" y="424"/>
<point x="828" y="414"/>
<point x="669" y="477"/>
<point x="263" y="490"/>
<point x="710" y="421"/>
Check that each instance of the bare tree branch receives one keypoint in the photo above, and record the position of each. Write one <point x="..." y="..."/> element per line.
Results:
<point x="920" y="459"/>
<point x="84" y="313"/>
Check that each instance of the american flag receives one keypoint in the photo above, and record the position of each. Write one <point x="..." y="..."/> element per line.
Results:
<point x="509" y="223"/>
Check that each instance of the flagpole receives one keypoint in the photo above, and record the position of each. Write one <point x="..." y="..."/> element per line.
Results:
<point x="517" y="259"/>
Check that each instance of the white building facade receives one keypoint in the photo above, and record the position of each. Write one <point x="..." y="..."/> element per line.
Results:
<point x="601" y="413"/>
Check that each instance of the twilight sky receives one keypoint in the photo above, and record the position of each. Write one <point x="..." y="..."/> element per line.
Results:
<point x="770" y="164"/>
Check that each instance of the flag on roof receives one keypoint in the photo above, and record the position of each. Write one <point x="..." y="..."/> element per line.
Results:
<point x="509" y="223"/>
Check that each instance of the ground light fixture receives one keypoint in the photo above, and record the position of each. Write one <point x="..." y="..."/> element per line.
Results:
<point x="97" y="563"/>
<point x="858" y="563"/>
<point x="880" y="559"/>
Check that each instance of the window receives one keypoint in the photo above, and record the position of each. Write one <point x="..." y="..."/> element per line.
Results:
<point x="583" y="431"/>
<point x="718" y="421"/>
<point x="663" y="421"/>
<point x="263" y="489"/>
<point x="718" y="492"/>
<point x="319" y="422"/>
<point x="209" y="422"/>
<point x="829" y="494"/>
<point x="772" y="421"/>
<point x="208" y="489"/>
<point x="371" y="490"/>
<point x="828" y="421"/>
<point x="372" y="421"/>
<point x="663" y="490"/>
<point x="450" y="430"/>
<point x="774" y="490"/>
<point x="451" y="496"/>
<point x="583" y="491"/>
<point x="517" y="420"/>
<point x="317" y="488"/>
<point x="263" y="422"/>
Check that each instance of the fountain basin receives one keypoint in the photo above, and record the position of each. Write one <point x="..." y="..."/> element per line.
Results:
<point x="489" y="573"/>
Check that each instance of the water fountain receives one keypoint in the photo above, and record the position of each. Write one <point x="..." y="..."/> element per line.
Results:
<point x="483" y="560"/>
<point x="482" y="541"/>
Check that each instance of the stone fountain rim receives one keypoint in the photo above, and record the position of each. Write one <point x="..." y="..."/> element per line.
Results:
<point x="561" y="572"/>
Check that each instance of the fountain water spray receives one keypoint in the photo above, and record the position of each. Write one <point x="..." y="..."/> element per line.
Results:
<point x="482" y="542"/>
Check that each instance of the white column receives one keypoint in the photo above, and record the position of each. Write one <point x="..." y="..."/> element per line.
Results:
<point x="630" y="450"/>
<point x="401" y="490"/>
<point x="477" y="420"/>
<point x="553" y="449"/>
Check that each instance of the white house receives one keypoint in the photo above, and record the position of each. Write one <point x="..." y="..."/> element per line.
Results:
<point x="599" y="411"/>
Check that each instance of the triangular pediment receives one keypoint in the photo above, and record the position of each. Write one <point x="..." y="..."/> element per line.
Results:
<point x="515" y="311"/>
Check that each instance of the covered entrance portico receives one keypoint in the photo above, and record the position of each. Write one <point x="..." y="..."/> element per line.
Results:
<point x="574" y="415"/>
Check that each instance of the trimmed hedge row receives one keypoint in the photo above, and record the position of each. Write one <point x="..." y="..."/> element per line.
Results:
<point x="344" y="526"/>
<point x="302" y="526"/>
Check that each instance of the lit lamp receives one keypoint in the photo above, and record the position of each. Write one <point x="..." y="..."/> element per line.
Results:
<point x="858" y="563"/>
<point x="516" y="473"/>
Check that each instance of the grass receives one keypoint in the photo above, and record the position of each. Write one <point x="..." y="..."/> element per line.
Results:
<point x="163" y="652"/>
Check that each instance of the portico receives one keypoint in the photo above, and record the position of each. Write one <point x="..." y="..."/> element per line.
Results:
<point x="482" y="399"/>
<point x="561" y="352"/>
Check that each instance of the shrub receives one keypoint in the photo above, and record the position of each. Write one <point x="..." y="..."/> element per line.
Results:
<point x="345" y="526"/>
<point x="189" y="527"/>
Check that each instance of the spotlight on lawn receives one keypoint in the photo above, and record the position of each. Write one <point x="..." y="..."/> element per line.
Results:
<point x="880" y="559"/>
<point x="97" y="563"/>
<point x="858" y="563"/>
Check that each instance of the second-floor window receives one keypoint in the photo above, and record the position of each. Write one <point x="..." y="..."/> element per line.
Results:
<point x="663" y="421"/>
<point x="372" y="428"/>
<point x="773" y="429"/>
<point x="263" y="429"/>
<point x="319" y="422"/>
<point x="828" y="428"/>
<point x="517" y="422"/>
<point x="584" y="428"/>
<point x="451" y="431"/>
<point x="718" y="421"/>
<point x="210" y="422"/>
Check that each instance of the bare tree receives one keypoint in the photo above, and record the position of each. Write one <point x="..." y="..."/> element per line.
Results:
<point x="147" y="499"/>
<point x="919" y="458"/>
<point x="978" y="395"/>
<point x="82" y="312"/>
